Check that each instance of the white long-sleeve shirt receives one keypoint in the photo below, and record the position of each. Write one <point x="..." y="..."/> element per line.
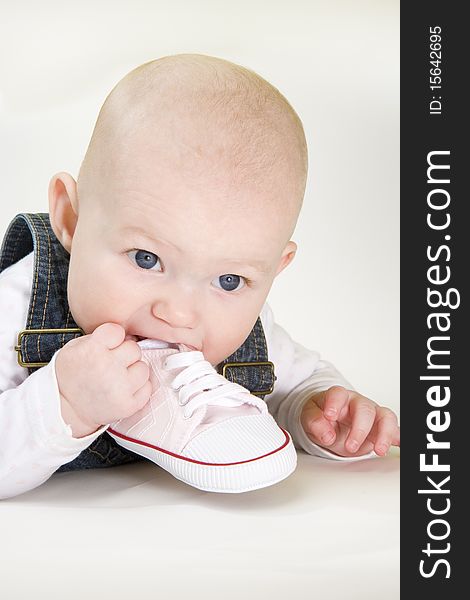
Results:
<point x="34" y="439"/>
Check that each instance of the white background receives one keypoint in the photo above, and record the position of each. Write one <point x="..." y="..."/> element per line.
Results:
<point x="337" y="62"/>
<point x="331" y="529"/>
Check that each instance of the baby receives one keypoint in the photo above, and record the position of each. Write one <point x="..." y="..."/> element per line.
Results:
<point x="180" y="219"/>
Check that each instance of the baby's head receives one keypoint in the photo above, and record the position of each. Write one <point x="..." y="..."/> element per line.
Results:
<point x="185" y="203"/>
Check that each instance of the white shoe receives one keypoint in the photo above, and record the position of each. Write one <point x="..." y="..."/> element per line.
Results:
<point x="204" y="430"/>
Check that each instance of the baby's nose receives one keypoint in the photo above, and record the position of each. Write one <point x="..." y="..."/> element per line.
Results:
<point x="177" y="312"/>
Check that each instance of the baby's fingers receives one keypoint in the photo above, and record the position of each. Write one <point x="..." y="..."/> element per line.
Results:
<point x="319" y="429"/>
<point x="335" y="403"/>
<point x="363" y="413"/>
<point x="388" y="431"/>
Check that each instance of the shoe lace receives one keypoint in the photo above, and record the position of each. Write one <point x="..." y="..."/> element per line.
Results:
<point x="199" y="384"/>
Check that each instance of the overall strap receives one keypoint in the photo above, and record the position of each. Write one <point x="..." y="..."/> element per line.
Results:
<point x="249" y="365"/>
<point x="50" y="324"/>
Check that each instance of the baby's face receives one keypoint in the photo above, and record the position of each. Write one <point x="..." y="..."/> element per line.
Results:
<point x="170" y="259"/>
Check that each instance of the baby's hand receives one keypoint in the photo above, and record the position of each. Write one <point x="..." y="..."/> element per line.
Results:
<point x="349" y="424"/>
<point x="101" y="379"/>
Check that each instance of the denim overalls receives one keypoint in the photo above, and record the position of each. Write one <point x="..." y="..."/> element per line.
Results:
<point x="50" y="325"/>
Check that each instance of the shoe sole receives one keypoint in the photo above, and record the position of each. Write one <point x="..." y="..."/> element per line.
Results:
<point x="229" y="478"/>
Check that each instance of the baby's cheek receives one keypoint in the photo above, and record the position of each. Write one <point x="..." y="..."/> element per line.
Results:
<point x="92" y="306"/>
<point x="223" y="344"/>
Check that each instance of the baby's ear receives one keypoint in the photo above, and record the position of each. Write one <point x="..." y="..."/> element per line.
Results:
<point x="63" y="208"/>
<point x="287" y="256"/>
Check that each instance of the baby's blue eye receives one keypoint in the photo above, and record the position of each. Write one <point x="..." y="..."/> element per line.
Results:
<point x="230" y="282"/>
<point x="145" y="259"/>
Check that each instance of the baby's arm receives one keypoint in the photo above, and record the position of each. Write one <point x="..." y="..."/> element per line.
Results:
<point x="301" y="376"/>
<point x="109" y="383"/>
<point x="49" y="417"/>
<point x="34" y="440"/>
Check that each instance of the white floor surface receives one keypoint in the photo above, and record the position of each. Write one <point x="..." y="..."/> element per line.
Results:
<point x="331" y="530"/>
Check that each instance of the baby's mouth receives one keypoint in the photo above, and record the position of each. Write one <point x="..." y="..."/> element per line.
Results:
<point x="134" y="338"/>
<point x="139" y="338"/>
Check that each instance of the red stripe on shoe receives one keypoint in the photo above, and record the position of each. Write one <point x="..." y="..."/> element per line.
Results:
<point x="134" y="441"/>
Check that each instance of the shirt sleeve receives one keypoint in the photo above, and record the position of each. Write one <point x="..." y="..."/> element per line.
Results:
<point x="300" y="373"/>
<point x="34" y="440"/>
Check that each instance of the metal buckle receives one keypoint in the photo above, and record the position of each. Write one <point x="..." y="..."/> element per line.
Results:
<point x="249" y="364"/>
<point x="25" y="332"/>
